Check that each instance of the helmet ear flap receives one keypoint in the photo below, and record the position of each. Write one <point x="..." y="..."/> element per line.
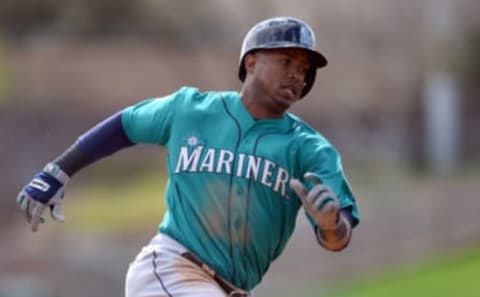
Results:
<point x="309" y="80"/>
<point x="242" y="72"/>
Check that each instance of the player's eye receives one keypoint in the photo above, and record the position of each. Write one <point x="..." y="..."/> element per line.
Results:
<point x="285" y="61"/>
<point x="304" y="69"/>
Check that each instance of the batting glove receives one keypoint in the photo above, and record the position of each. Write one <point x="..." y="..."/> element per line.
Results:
<point x="44" y="190"/>
<point x="321" y="203"/>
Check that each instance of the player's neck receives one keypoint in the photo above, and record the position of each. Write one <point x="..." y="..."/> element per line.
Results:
<point x="253" y="104"/>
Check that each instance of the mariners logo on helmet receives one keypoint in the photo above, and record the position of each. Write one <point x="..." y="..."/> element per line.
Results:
<point x="283" y="32"/>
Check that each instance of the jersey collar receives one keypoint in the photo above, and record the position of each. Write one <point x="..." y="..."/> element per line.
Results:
<point x="245" y="119"/>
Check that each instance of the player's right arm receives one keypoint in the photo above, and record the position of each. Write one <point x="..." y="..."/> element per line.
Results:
<point x="145" y="122"/>
<point x="46" y="187"/>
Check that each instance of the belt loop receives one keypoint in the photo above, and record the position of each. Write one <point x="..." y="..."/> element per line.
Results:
<point x="231" y="290"/>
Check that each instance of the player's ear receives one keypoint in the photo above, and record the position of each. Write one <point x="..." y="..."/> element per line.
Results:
<point x="250" y="61"/>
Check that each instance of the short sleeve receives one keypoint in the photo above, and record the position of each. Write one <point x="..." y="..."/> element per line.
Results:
<point x="150" y="121"/>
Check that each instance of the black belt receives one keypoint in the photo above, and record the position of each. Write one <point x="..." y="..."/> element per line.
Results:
<point x="230" y="289"/>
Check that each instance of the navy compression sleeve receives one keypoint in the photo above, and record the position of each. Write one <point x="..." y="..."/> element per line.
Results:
<point x="104" y="139"/>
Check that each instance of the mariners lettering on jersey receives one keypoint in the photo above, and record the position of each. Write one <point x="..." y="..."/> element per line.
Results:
<point x="201" y="159"/>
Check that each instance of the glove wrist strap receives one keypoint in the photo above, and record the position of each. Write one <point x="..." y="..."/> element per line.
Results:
<point x="57" y="172"/>
<point x="338" y="238"/>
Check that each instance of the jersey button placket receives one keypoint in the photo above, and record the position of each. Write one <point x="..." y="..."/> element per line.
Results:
<point x="239" y="191"/>
<point x="239" y="218"/>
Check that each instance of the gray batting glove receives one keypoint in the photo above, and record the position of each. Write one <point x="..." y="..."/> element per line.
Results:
<point x="321" y="203"/>
<point x="44" y="190"/>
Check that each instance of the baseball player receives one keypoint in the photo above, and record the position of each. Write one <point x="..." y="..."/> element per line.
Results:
<point x="240" y="168"/>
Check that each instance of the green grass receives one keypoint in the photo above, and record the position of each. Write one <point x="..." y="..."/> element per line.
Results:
<point x="114" y="209"/>
<point x="455" y="276"/>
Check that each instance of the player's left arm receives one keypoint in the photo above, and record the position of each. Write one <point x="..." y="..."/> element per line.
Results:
<point x="333" y="224"/>
<point x="324" y="191"/>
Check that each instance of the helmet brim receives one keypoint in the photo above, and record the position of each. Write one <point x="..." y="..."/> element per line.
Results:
<point x="318" y="60"/>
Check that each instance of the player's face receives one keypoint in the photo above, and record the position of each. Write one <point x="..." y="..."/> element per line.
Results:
<point x="280" y="76"/>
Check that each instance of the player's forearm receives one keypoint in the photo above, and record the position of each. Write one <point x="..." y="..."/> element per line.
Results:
<point x="339" y="238"/>
<point x="101" y="141"/>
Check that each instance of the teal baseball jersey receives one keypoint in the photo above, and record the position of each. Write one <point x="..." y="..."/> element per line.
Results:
<point x="228" y="198"/>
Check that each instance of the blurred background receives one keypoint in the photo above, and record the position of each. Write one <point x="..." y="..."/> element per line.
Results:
<point x="399" y="99"/>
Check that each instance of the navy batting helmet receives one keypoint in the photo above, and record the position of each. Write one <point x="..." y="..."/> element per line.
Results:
<point x="283" y="32"/>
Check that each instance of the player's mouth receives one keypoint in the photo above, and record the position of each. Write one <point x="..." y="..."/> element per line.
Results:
<point x="288" y="91"/>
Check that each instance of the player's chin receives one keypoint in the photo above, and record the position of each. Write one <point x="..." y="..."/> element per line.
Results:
<point x="282" y="103"/>
<point x="285" y="100"/>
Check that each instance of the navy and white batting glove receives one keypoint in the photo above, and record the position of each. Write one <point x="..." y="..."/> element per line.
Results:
<point x="44" y="190"/>
<point x="321" y="203"/>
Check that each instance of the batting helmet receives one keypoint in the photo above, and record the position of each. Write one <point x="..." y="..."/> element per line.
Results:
<point x="283" y="32"/>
